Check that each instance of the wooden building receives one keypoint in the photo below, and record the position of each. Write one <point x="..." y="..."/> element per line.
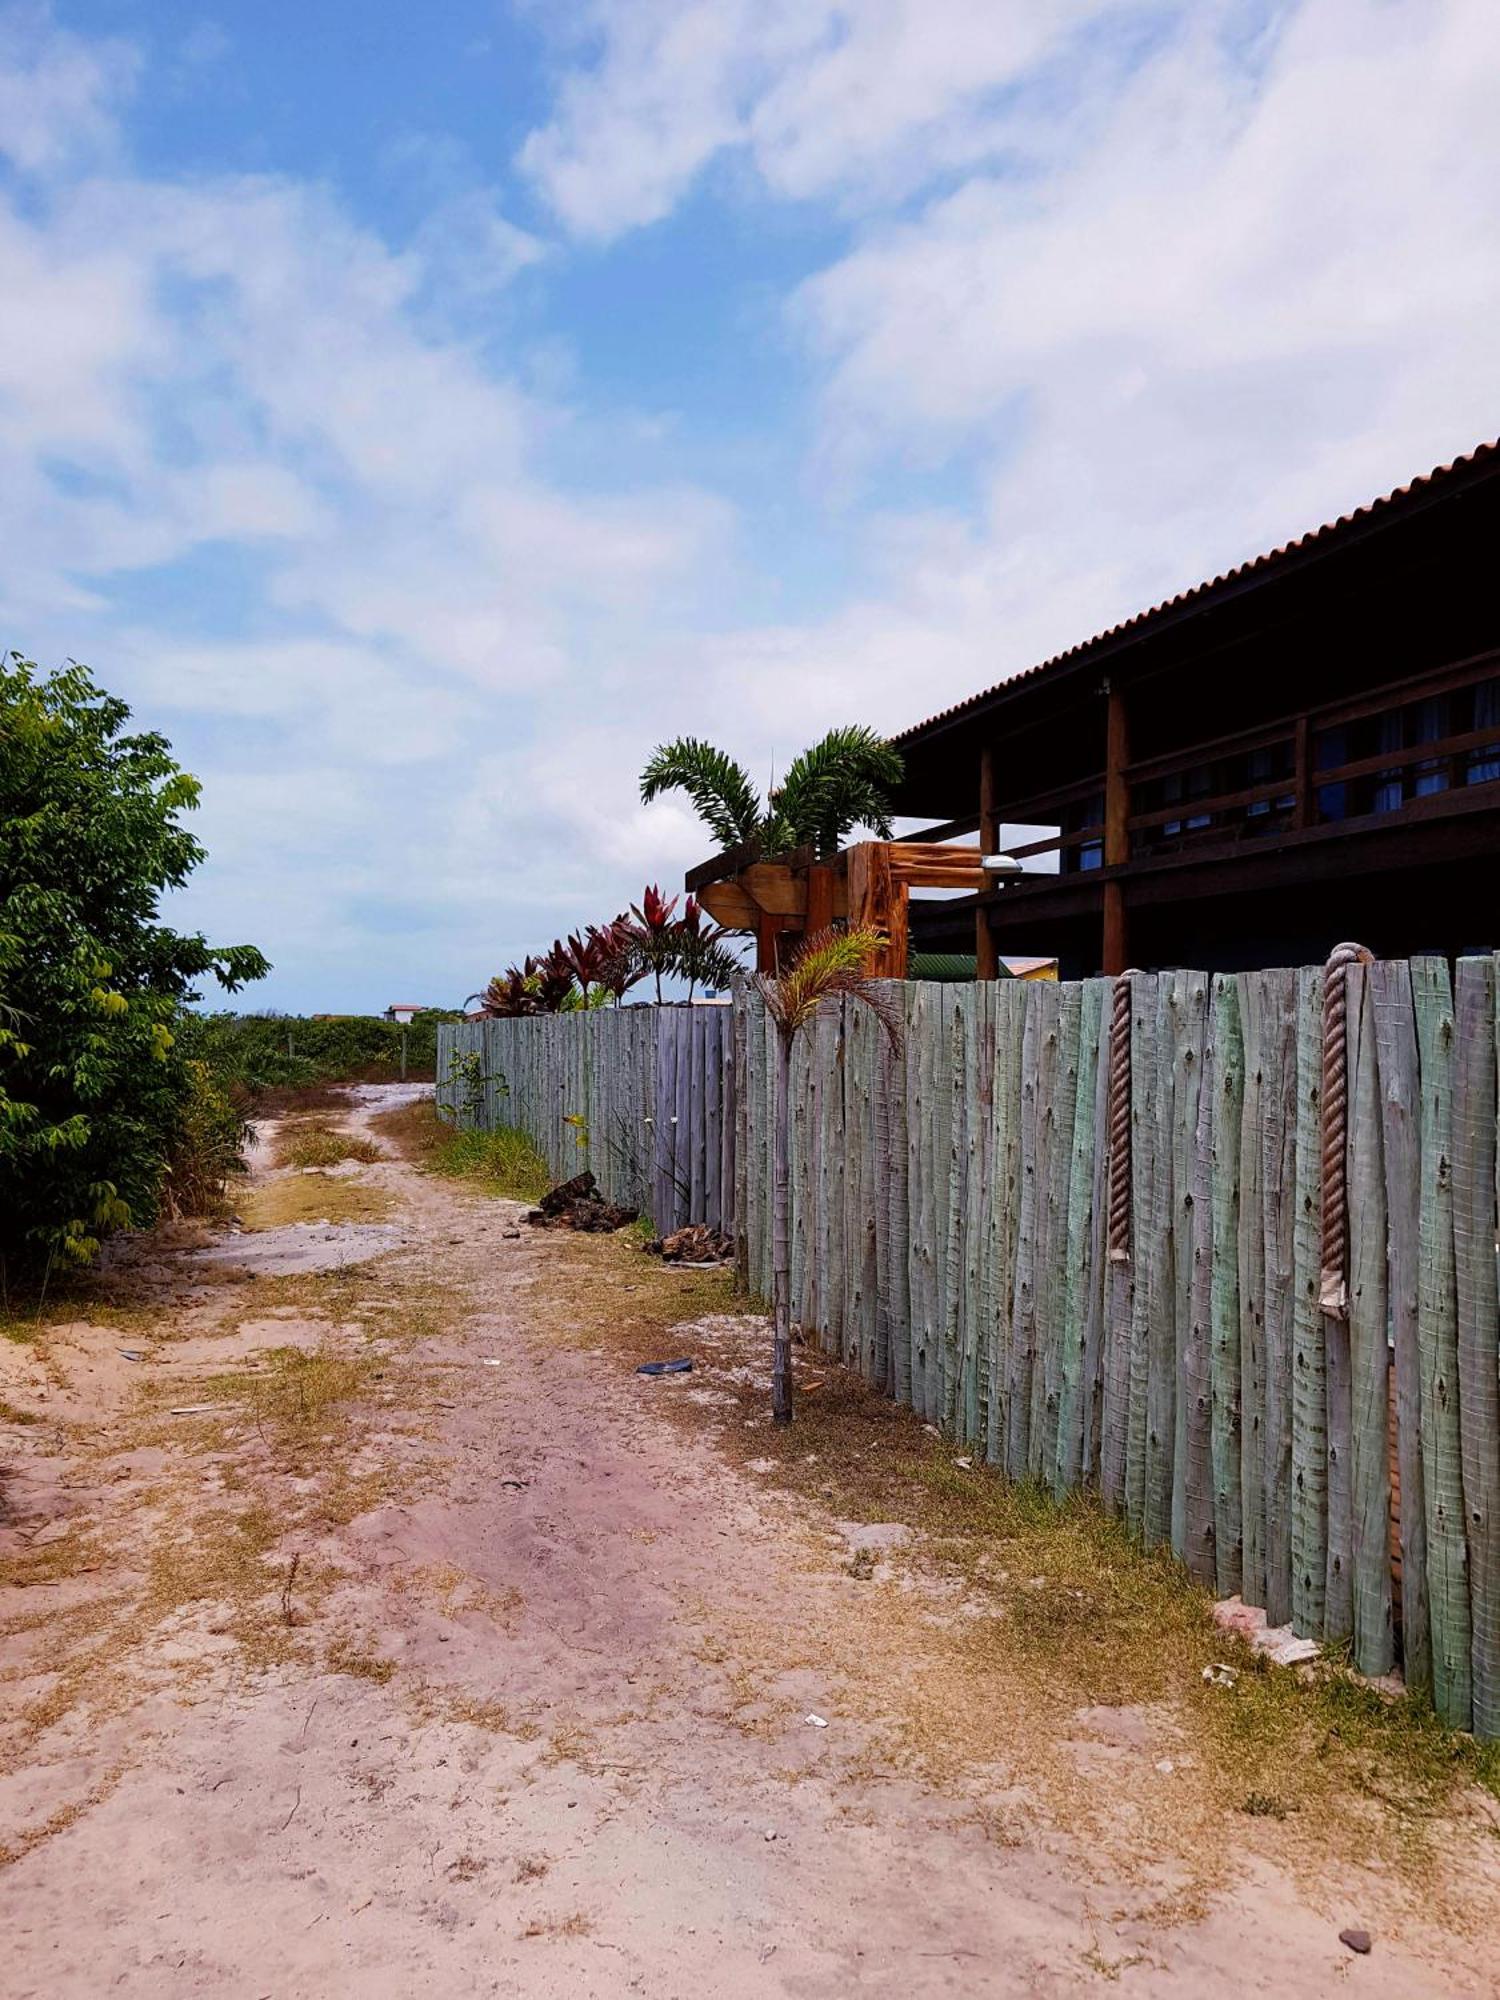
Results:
<point x="1303" y="750"/>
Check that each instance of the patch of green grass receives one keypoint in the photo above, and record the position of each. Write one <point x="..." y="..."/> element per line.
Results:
<point x="503" y="1162"/>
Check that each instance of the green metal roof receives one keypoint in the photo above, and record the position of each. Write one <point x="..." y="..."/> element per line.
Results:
<point x="947" y="965"/>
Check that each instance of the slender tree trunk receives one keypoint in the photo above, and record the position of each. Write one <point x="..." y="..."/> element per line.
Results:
<point x="781" y="1240"/>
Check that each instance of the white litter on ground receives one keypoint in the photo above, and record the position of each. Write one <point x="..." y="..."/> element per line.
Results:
<point x="1278" y="1642"/>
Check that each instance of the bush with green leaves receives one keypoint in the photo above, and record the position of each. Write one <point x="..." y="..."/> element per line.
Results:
<point x="269" y="1051"/>
<point x="93" y="1082"/>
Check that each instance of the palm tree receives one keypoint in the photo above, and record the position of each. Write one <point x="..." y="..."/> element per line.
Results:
<point x="829" y="964"/>
<point x="842" y="782"/>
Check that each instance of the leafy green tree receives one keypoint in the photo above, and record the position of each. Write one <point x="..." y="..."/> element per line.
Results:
<point x="843" y="781"/>
<point x="93" y="1087"/>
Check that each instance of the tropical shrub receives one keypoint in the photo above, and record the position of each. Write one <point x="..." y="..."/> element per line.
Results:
<point x="845" y="780"/>
<point x="209" y="1148"/>
<point x="94" y="1087"/>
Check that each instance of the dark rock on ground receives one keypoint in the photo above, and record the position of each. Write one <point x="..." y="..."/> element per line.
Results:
<point x="578" y="1204"/>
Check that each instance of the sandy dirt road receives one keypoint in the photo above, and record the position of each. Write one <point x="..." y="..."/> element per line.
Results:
<point x="502" y="1685"/>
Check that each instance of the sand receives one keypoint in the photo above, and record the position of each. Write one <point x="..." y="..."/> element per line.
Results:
<point x="529" y="1731"/>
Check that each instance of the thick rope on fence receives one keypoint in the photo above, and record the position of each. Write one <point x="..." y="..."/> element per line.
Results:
<point x="1333" y="1284"/>
<point x="1119" y="1122"/>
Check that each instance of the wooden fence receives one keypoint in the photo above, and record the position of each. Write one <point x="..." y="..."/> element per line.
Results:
<point x="949" y="1239"/>
<point x="641" y="1096"/>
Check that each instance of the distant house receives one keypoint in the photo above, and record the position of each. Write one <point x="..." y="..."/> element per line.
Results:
<point x="1303" y="750"/>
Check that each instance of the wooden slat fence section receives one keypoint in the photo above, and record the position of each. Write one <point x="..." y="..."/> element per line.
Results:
<point x="644" y="1098"/>
<point x="1437" y="1340"/>
<point x="949" y="1196"/>
<point x="1196" y="1385"/>
<point x="1474" y="1230"/>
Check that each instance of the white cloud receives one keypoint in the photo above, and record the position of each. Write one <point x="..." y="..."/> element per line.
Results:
<point x="1166" y="304"/>
<point x="231" y="371"/>
<point x="1132" y="288"/>
<point x="854" y="99"/>
<point x="471" y="251"/>
<point x="1237" y="310"/>
<point x="58" y="92"/>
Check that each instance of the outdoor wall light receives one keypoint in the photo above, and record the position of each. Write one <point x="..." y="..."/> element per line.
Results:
<point x="1001" y="864"/>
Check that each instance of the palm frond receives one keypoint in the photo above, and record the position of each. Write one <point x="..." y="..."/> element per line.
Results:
<point x="721" y="791"/>
<point x="830" y="963"/>
<point x="843" y="781"/>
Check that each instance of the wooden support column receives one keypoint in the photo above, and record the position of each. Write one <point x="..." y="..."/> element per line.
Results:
<point x="819" y="897"/>
<point x="767" y="929"/>
<point x="896" y="952"/>
<point x="1302" y="800"/>
<point x="986" y="951"/>
<point x="877" y="903"/>
<point x="1116" y="944"/>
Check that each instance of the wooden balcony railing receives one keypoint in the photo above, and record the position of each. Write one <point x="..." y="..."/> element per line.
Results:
<point x="1296" y="792"/>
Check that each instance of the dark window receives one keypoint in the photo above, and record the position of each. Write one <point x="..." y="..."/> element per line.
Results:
<point x="1484" y="765"/>
<point x="1429" y="724"/>
<point x="1087" y="854"/>
<point x="1330" y="749"/>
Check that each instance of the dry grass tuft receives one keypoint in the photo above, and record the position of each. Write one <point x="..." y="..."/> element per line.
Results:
<point x="315" y="1144"/>
<point x="297" y="1398"/>
<point x="312" y="1197"/>
<point x="346" y="1658"/>
<point x="50" y="1562"/>
<point x="576" y="1924"/>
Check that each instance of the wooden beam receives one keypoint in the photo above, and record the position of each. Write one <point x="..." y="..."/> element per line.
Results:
<point x="906" y="855"/>
<point x="971" y="879"/>
<point x="735" y="861"/>
<point x="778" y="886"/>
<point x="946" y="831"/>
<point x="718" y="868"/>
<point x="729" y="904"/>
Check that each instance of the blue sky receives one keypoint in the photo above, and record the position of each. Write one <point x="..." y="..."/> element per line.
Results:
<point x="420" y="413"/>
